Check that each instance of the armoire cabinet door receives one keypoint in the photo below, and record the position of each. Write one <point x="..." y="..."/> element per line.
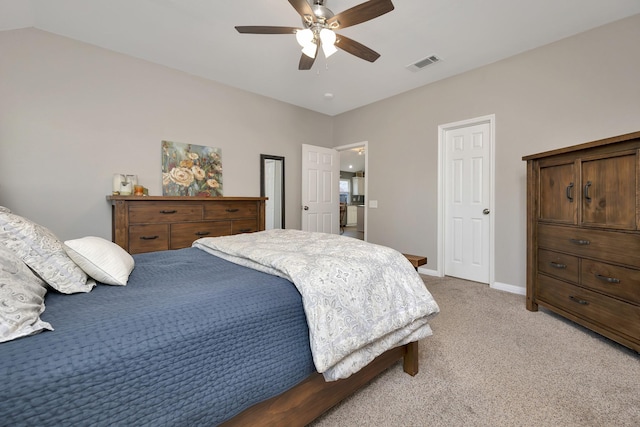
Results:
<point x="559" y="195"/>
<point x="609" y="192"/>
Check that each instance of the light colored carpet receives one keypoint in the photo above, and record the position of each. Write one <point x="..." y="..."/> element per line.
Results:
<point x="490" y="362"/>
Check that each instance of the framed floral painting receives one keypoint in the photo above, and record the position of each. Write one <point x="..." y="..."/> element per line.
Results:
<point x="191" y="170"/>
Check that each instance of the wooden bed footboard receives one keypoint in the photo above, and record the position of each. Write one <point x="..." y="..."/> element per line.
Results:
<point x="312" y="397"/>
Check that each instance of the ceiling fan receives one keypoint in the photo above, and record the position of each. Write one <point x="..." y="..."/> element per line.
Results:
<point x="320" y="24"/>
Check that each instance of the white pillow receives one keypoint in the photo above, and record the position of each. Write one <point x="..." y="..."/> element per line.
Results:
<point x="101" y="259"/>
<point x="41" y="250"/>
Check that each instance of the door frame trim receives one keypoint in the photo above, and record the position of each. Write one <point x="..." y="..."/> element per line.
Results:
<point x="442" y="174"/>
<point x="364" y="144"/>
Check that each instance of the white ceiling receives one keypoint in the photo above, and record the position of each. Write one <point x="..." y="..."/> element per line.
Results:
<point x="352" y="161"/>
<point x="198" y="36"/>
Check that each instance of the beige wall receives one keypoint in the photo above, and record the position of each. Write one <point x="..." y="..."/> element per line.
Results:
<point x="580" y="89"/>
<point x="72" y="114"/>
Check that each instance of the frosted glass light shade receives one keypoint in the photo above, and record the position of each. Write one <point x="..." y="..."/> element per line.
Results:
<point x="310" y="50"/>
<point x="304" y="37"/>
<point x="328" y="38"/>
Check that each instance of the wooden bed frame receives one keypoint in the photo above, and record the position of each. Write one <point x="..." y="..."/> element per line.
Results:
<point x="312" y="397"/>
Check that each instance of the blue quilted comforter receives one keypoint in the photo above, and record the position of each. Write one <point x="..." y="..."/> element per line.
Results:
<point x="191" y="340"/>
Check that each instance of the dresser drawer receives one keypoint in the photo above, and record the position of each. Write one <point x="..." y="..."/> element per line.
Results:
<point x="184" y="234"/>
<point x="230" y="210"/>
<point x="617" y="281"/>
<point x="606" y="312"/>
<point x="144" y="213"/>
<point x="618" y="247"/>
<point x="559" y="265"/>
<point x="244" y="226"/>
<point x="148" y="238"/>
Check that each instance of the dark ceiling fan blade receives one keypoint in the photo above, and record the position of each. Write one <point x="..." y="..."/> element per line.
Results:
<point x="361" y="13"/>
<point x="356" y="49"/>
<point x="254" y="29"/>
<point x="305" y="62"/>
<point x="303" y="8"/>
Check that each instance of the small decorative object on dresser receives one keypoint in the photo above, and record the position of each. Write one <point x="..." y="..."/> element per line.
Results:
<point x="583" y="235"/>
<point x="154" y="223"/>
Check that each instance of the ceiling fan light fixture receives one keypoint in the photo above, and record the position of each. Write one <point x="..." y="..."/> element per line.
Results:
<point x="304" y="37"/>
<point x="328" y="50"/>
<point x="328" y="39"/>
<point x="310" y="50"/>
<point x="319" y="24"/>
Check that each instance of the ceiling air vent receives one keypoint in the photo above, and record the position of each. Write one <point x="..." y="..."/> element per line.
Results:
<point x="417" y="66"/>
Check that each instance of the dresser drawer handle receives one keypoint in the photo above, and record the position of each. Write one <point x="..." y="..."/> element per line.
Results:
<point x="607" y="279"/>
<point x="586" y="192"/>
<point x="557" y="265"/>
<point x="569" y="192"/>
<point x="578" y="300"/>
<point x="202" y="233"/>
<point x="168" y="212"/>
<point x="580" y="242"/>
<point x="148" y="237"/>
<point x="232" y="210"/>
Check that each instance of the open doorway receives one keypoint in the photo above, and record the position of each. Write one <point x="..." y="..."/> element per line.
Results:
<point x="354" y="186"/>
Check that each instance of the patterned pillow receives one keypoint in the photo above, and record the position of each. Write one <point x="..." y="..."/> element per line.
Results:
<point x="21" y="298"/>
<point x="41" y="250"/>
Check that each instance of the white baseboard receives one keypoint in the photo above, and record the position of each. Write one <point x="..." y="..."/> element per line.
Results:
<point x="428" y="272"/>
<point x="496" y="285"/>
<point x="509" y="288"/>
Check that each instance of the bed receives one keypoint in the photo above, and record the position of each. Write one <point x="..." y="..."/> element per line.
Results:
<point x="194" y="338"/>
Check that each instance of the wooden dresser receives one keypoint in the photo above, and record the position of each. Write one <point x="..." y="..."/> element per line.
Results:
<point x="154" y="223"/>
<point x="583" y="235"/>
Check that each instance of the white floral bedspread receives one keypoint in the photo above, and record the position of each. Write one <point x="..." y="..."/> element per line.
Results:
<point x="360" y="299"/>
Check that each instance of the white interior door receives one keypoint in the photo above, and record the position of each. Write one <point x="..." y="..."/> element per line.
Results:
<point x="320" y="189"/>
<point x="468" y="202"/>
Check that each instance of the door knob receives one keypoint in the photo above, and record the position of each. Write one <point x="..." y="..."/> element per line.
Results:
<point x="306" y="208"/>
<point x="486" y="211"/>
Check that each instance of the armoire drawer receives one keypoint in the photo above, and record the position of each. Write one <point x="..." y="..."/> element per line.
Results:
<point x="617" y="281"/>
<point x="144" y="213"/>
<point x="560" y="265"/>
<point x="184" y="234"/>
<point x="606" y="312"/>
<point x="230" y="210"/>
<point x="148" y="238"/>
<point x="618" y="247"/>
